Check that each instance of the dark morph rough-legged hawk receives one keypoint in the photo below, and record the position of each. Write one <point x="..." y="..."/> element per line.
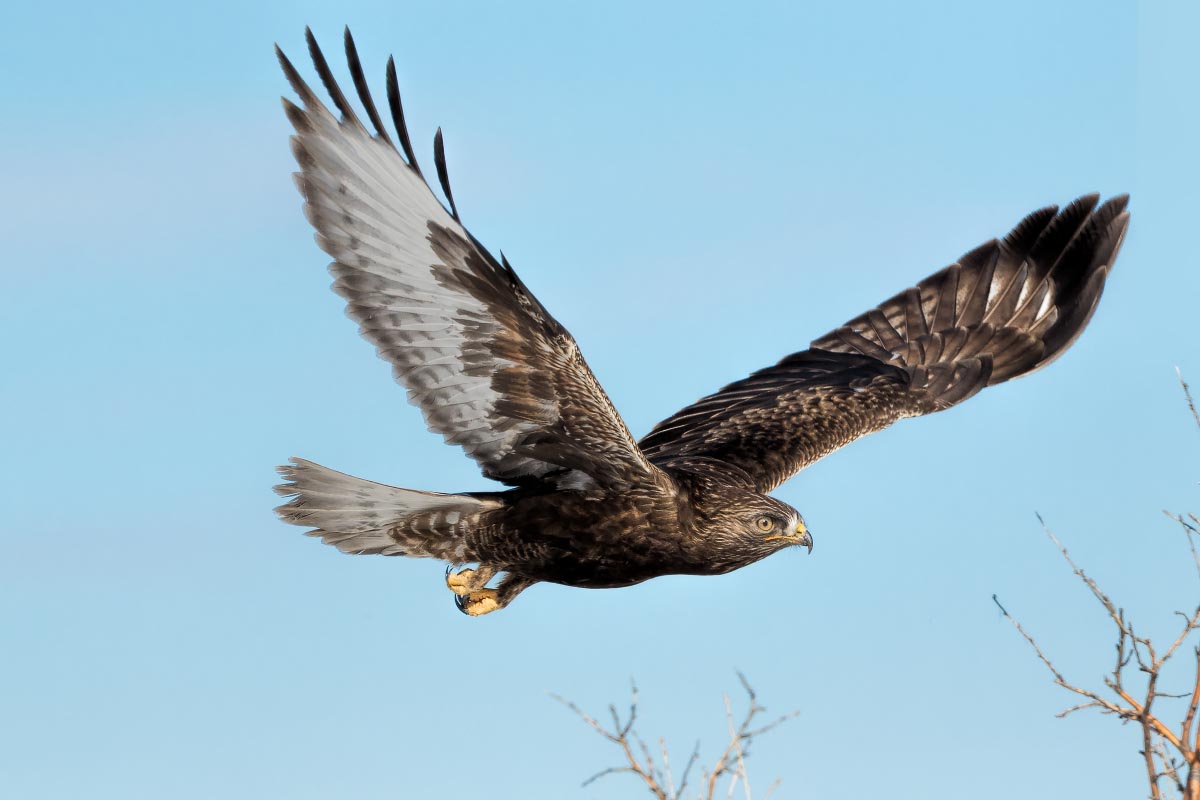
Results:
<point x="496" y="374"/>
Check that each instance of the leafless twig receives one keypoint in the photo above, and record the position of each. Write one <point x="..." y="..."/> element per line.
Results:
<point x="658" y="779"/>
<point x="1191" y="531"/>
<point x="1171" y="755"/>
<point x="1165" y="751"/>
<point x="1188" y="394"/>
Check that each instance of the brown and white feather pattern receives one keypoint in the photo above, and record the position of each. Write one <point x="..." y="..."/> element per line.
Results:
<point x="489" y="367"/>
<point x="1003" y="310"/>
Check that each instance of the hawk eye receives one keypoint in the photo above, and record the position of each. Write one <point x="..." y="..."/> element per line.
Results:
<point x="765" y="524"/>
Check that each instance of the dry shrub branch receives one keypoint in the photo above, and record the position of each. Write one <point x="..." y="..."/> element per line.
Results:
<point x="1133" y="690"/>
<point x="652" y="766"/>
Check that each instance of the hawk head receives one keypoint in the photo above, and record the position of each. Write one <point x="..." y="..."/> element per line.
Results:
<point x="742" y="526"/>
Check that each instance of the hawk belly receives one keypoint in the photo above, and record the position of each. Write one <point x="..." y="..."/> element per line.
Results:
<point x="583" y="540"/>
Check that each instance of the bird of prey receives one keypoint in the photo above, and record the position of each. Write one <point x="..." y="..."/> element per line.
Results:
<point x="586" y="504"/>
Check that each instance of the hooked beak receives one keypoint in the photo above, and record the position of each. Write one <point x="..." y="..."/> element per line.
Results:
<point x="800" y="537"/>
<point x="805" y="539"/>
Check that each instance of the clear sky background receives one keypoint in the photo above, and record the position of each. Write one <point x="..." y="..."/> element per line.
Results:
<point x="695" y="191"/>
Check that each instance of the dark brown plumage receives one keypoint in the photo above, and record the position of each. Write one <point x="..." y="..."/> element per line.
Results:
<point x="497" y="375"/>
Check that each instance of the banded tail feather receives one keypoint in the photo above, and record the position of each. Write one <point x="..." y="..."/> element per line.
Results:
<point x="362" y="517"/>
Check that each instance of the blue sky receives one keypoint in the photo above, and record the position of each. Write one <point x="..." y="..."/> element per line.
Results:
<point x="695" y="192"/>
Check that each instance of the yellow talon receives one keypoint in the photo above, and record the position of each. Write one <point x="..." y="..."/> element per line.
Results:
<point x="460" y="582"/>
<point x="481" y="602"/>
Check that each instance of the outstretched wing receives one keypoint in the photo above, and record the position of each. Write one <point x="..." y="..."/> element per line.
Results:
<point x="1004" y="310"/>
<point x="489" y="367"/>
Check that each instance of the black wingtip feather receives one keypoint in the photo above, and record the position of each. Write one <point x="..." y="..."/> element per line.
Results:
<point x="1056" y="238"/>
<point x="1115" y="204"/>
<point x="508" y="268"/>
<point x="1104" y="216"/>
<point x="331" y="85"/>
<point x="1026" y="232"/>
<point x="295" y="81"/>
<point x="439" y="161"/>
<point x="397" y="109"/>
<point x="360" y="86"/>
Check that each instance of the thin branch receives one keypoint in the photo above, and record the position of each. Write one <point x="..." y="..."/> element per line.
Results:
<point x="1165" y="752"/>
<point x="660" y="781"/>
<point x="736" y="738"/>
<point x="1191" y="709"/>
<point x="603" y="772"/>
<point x="1058" y="678"/>
<point x="662" y="746"/>
<point x="1190" y="624"/>
<point x="589" y="720"/>
<point x="1091" y="584"/>
<point x="1170" y="767"/>
<point x="1080" y="707"/>
<point x="1148" y="746"/>
<point x="691" y="762"/>
<point x="1190" y="531"/>
<point x="620" y="737"/>
<point x="1188" y="394"/>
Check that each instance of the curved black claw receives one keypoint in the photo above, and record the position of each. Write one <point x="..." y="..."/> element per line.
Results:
<point x="460" y="602"/>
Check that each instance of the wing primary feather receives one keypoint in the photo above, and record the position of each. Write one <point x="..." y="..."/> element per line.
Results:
<point x="947" y="306"/>
<point x="914" y="315"/>
<point x="297" y="83"/>
<point x="1005" y="305"/>
<point x="439" y="161"/>
<point x="1055" y="239"/>
<point x="397" y="108"/>
<point x="1022" y="237"/>
<point x="982" y="261"/>
<point x="296" y="116"/>
<point x="512" y="273"/>
<point x="360" y="85"/>
<point x="331" y="86"/>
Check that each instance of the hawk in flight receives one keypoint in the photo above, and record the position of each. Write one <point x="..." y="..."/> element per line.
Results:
<point x="586" y="504"/>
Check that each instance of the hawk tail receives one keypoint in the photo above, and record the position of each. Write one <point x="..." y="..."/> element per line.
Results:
<point x="362" y="517"/>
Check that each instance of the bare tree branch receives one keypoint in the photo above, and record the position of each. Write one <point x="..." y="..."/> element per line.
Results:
<point x="1170" y="756"/>
<point x="659" y="781"/>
